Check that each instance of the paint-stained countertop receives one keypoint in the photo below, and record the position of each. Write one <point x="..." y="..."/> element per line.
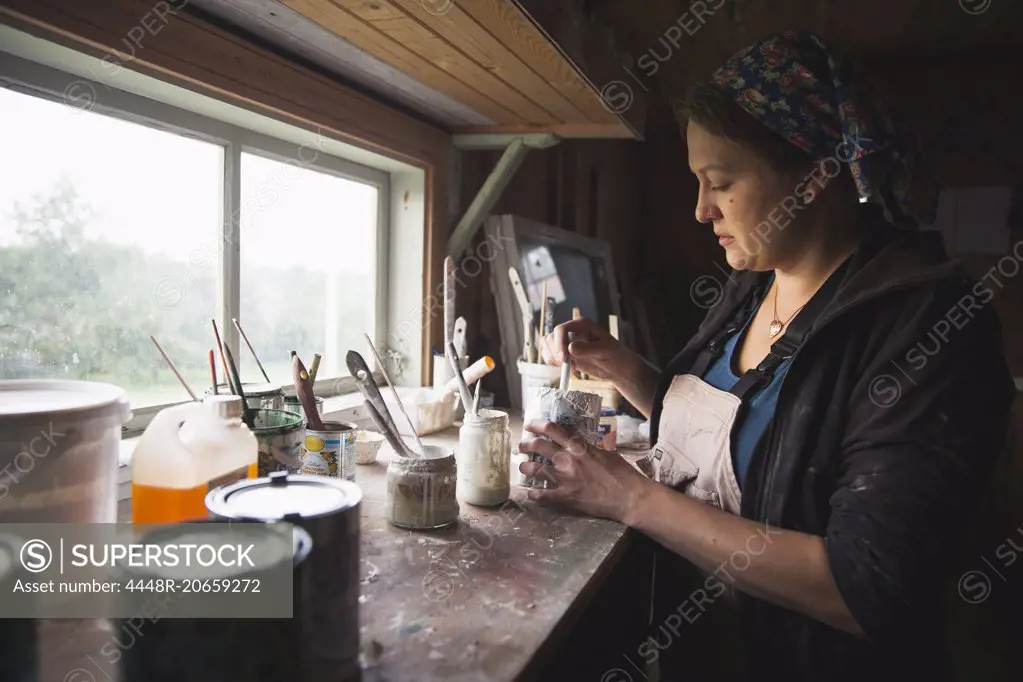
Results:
<point x="478" y="601"/>
<point x="486" y="600"/>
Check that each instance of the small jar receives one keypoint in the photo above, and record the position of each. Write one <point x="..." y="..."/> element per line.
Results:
<point x="607" y="429"/>
<point x="484" y="458"/>
<point x="421" y="490"/>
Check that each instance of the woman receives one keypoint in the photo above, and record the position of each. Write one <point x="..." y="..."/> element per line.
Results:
<point x="826" y="433"/>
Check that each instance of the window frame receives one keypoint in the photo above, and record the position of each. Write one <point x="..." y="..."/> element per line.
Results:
<point x="49" y="83"/>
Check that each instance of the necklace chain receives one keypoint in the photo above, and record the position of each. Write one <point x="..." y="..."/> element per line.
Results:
<point x="776" y="324"/>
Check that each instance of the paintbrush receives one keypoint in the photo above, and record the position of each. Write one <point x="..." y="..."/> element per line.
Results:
<point x="476" y="370"/>
<point x="543" y="321"/>
<point x="566" y="369"/>
<point x="251" y="349"/>
<point x="213" y="371"/>
<point x="314" y="368"/>
<point x="456" y="367"/>
<point x="394" y="392"/>
<point x="476" y="397"/>
<point x="449" y="299"/>
<point x="576" y="315"/>
<point x="220" y="345"/>
<point x="173" y="368"/>
<point x="304" y="391"/>
<point x="236" y="387"/>
<point x="375" y="404"/>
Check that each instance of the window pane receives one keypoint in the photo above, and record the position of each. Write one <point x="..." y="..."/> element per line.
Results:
<point x="108" y="234"/>
<point x="308" y="267"/>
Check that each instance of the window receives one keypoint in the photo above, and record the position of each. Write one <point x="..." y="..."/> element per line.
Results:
<point x="135" y="218"/>
<point x="96" y="219"/>
<point x="308" y="266"/>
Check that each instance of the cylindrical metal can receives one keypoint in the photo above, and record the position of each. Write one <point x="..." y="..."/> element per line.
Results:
<point x="279" y="436"/>
<point x="293" y="404"/>
<point x="607" y="429"/>
<point x="330" y="452"/>
<point x="328" y="509"/>
<point x="18" y="657"/>
<point x="163" y="644"/>
<point x="258" y="396"/>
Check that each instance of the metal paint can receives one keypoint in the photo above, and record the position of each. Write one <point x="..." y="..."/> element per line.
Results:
<point x="607" y="429"/>
<point x="328" y="509"/>
<point x="330" y="452"/>
<point x="258" y="396"/>
<point x="169" y="648"/>
<point x="293" y="404"/>
<point x="18" y="657"/>
<point x="279" y="436"/>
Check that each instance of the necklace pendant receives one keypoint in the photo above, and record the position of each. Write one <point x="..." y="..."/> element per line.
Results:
<point x="776" y="326"/>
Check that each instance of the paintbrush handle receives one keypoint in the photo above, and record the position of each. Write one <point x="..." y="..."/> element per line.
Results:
<point x="359" y="370"/>
<point x="304" y="391"/>
<point x="476" y="398"/>
<point x="463" y="388"/>
<point x="236" y="388"/>
<point x="313" y="369"/>
<point x="251" y="349"/>
<point x="394" y="392"/>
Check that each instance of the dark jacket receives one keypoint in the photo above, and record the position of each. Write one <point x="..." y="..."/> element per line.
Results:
<point x="887" y="427"/>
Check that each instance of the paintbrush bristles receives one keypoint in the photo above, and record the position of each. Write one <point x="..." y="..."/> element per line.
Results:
<point x="394" y="392"/>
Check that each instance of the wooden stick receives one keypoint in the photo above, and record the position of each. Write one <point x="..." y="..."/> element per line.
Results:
<point x="251" y="349"/>
<point x="314" y="368"/>
<point x="173" y="368"/>
<point x="236" y="387"/>
<point x="383" y="370"/>
<point x="216" y="333"/>
<point x="213" y="371"/>
<point x="543" y="321"/>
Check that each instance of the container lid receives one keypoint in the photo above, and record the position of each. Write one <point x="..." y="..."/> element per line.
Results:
<point x="226" y="406"/>
<point x="28" y="398"/>
<point x="283" y="495"/>
<point x="260" y="389"/>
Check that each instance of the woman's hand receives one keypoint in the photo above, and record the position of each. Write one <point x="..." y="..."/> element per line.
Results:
<point x="589" y="479"/>
<point x="593" y="350"/>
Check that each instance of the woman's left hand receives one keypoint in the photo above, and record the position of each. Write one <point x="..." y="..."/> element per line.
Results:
<point x="591" y="480"/>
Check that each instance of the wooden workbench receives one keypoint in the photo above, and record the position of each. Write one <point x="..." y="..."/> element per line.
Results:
<point x="490" y="599"/>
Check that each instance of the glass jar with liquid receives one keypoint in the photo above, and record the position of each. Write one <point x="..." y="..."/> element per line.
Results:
<point x="187" y="451"/>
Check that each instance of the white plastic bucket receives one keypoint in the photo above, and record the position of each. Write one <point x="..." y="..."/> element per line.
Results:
<point x="59" y="446"/>
<point x="534" y="376"/>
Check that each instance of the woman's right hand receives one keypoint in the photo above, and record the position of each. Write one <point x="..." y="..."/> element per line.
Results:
<point x="593" y="350"/>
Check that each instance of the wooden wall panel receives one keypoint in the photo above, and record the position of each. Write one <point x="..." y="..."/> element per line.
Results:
<point x="194" y="54"/>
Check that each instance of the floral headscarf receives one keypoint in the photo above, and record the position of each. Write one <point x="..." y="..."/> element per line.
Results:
<point x="824" y="105"/>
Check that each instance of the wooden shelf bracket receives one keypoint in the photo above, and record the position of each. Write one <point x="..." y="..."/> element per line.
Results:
<point x="515" y="149"/>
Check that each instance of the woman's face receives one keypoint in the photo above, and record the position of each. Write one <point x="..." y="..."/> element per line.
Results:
<point x="749" y="204"/>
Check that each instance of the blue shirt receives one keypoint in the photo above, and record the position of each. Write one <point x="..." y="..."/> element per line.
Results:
<point x="758" y="409"/>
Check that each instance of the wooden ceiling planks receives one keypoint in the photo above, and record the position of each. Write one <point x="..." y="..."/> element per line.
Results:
<point x="509" y="26"/>
<point x="370" y="39"/>
<point x="459" y="29"/>
<point x="485" y="54"/>
<point x="400" y="27"/>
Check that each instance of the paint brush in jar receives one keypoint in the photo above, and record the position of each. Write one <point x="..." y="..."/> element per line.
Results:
<point x="566" y="367"/>
<point x="251" y="349"/>
<point x="235" y="382"/>
<point x="304" y="391"/>
<point x="476" y="397"/>
<point x="543" y="322"/>
<point x="220" y="347"/>
<point x="394" y="392"/>
<point x="314" y="368"/>
<point x="577" y="315"/>
<point x="213" y="371"/>
<point x="456" y="367"/>
<point x="173" y="368"/>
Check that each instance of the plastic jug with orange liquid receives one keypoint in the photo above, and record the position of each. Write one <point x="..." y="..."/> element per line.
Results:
<point x="186" y="451"/>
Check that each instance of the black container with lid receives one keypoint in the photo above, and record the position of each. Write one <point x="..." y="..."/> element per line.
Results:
<point x="327" y="587"/>
<point x="157" y="645"/>
<point x="18" y="639"/>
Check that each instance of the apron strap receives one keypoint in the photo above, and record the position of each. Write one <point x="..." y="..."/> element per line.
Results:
<point x="792" y="339"/>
